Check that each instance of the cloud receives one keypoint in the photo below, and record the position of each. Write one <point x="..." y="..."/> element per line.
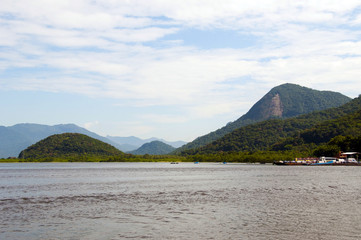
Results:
<point x="90" y="125"/>
<point x="134" y="50"/>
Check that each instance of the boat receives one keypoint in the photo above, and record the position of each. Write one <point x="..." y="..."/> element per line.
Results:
<point x="325" y="161"/>
<point x="289" y="163"/>
<point x="343" y="159"/>
<point x="297" y="161"/>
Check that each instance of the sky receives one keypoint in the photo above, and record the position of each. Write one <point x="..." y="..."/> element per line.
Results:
<point x="172" y="69"/>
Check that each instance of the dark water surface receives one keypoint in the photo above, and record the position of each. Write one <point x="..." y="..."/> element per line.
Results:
<point x="178" y="201"/>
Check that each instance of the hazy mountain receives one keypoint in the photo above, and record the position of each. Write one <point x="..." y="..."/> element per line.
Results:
<point x="18" y="137"/>
<point x="175" y="144"/>
<point x="127" y="147"/>
<point x="69" y="145"/>
<point x="12" y="142"/>
<point x="127" y="144"/>
<point x="154" y="148"/>
<point x="281" y="102"/>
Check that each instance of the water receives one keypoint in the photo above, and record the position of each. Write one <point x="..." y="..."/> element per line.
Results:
<point x="178" y="201"/>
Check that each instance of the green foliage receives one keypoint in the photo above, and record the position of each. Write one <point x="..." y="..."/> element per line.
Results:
<point x="103" y="158"/>
<point x="339" y="143"/>
<point x="146" y="158"/>
<point x="247" y="157"/>
<point x="349" y="124"/>
<point x="74" y="147"/>
<point x="326" y="150"/>
<point x="294" y="100"/>
<point x="69" y="145"/>
<point x="154" y="148"/>
<point x="299" y="133"/>
<point x="297" y="100"/>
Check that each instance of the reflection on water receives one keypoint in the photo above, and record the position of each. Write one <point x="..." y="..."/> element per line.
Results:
<point x="183" y="201"/>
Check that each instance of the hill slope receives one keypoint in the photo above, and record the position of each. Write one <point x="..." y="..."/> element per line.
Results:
<point x="18" y="137"/>
<point x="308" y="127"/>
<point x="154" y="148"/>
<point x="323" y="132"/>
<point x="284" y="101"/>
<point x="69" y="145"/>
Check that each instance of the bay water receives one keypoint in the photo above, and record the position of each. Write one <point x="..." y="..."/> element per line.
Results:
<point x="93" y="201"/>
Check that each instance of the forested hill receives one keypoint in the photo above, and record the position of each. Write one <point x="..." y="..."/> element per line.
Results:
<point x="16" y="138"/>
<point x="278" y="134"/>
<point x="69" y="145"/>
<point x="285" y="101"/>
<point x="153" y="148"/>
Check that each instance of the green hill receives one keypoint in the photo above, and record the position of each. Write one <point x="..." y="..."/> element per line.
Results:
<point x="154" y="148"/>
<point x="69" y="145"/>
<point x="284" y="101"/>
<point x="16" y="138"/>
<point x="284" y="134"/>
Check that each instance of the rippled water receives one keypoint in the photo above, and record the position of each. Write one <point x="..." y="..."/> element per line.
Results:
<point x="178" y="201"/>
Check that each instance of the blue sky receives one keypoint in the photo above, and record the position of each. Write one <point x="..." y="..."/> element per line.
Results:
<point x="170" y="69"/>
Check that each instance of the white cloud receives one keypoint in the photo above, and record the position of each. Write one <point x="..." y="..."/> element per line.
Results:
<point x="139" y="35"/>
<point x="120" y="50"/>
<point x="91" y="125"/>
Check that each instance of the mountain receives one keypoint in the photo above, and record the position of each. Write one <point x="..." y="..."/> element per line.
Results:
<point x="175" y="144"/>
<point x="128" y="144"/>
<point x="154" y="148"/>
<point x="283" y="134"/>
<point x="12" y="142"/>
<point x="69" y="145"/>
<point x="281" y="102"/>
<point x="16" y="138"/>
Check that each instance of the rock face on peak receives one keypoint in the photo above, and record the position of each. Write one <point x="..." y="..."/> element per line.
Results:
<point x="284" y="101"/>
<point x="275" y="108"/>
<point x="290" y="100"/>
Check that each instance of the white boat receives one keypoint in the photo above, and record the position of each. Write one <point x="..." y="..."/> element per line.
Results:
<point x="346" y="158"/>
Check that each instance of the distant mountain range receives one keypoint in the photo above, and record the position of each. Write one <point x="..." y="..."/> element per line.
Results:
<point x="16" y="138"/>
<point x="128" y="144"/>
<point x="281" y="102"/>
